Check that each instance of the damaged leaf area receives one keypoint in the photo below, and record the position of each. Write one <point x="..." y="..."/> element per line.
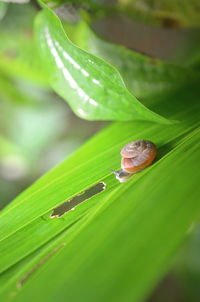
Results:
<point x="72" y="203"/>
<point x="40" y="263"/>
<point x="117" y="214"/>
<point x="119" y="218"/>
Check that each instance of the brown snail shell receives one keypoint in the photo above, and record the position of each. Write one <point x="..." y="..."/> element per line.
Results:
<point x="136" y="156"/>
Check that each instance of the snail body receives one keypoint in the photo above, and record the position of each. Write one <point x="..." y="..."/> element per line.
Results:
<point x="136" y="156"/>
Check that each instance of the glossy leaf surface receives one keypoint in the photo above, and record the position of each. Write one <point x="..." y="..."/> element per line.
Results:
<point x="144" y="76"/>
<point x="28" y="234"/>
<point x="108" y="259"/>
<point x="92" y="87"/>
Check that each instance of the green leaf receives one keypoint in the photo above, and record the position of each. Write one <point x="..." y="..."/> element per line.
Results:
<point x="92" y="87"/>
<point x="136" y="214"/>
<point x="143" y="75"/>
<point x="26" y="225"/>
<point x="127" y="245"/>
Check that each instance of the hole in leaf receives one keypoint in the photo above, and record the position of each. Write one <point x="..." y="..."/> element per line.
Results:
<point x="70" y="204"/>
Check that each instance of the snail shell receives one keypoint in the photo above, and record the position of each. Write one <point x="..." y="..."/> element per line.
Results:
<point x="136" y="156"/>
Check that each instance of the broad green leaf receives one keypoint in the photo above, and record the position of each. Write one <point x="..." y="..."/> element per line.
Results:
<point x="92" y="87"/>
<point x="143" y="75"/>
<point x="25" y="223"/>
<point x="10" y="280"/>
<point x="187" y="267"/>
<point x="51" y="190"/>
<point x="123" y="224"/>
<point x="127" y="245"/>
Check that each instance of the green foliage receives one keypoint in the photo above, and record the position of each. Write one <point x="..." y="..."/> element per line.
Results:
<point x="144" y="76"/>
<point x="124" y="239"/>
<point x="118" y="244"/>
<point x="93" y="88"/>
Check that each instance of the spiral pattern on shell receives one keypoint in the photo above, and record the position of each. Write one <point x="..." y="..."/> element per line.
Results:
<point x="137" y="155"/>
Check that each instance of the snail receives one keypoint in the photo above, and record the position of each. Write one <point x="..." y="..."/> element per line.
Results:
<point x="136" y="156"/>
